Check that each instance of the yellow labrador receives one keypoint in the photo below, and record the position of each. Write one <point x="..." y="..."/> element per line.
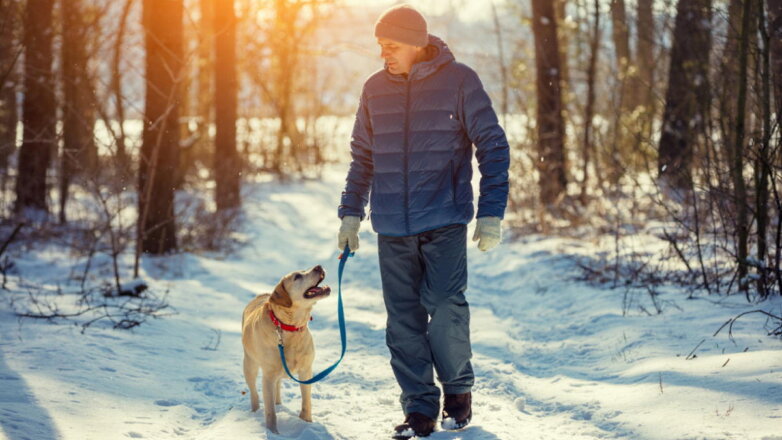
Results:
<point x="284" y="315"/>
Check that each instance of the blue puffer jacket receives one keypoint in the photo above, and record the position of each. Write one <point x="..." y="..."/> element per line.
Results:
<point x="412" y="149"/>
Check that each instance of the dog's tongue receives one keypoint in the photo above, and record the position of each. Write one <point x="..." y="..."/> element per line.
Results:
<point x="318" y="290"/>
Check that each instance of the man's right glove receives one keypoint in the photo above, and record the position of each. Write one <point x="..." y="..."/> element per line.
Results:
<point x="488" y="231"/>
<point x="348" y="233"/>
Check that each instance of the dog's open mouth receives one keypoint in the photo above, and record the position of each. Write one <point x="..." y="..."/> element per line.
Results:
<point x="316" y="290"/>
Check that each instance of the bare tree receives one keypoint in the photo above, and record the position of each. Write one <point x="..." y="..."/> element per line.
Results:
<point x="227" y="163"/>
<point x="624" y="58"/>
<point x="563" y="36"/>
<point x="563" y="33"/>
<point x="116" y="85"/>
<point x="728" y="87"/>
<point x="162" y="20"/>
<point x="737" y="159"/>
<point x="763" y="161"/>
<point x="628" y="123"/>
<point x="206" y="70"/>
<point x="775" y="36"/>
<point x="39" y="112"/>
<point x="645" y="53"/>
<point x="687" y="98"/>
<point x="589" y="111"/>
<point x="10" y="51"/>
<point x="288" y="31"/>
<point x="79" y="150"/>
<point x="551" y="148"/>
<point x="646" y="65"/>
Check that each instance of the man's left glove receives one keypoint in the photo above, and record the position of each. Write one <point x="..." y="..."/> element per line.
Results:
<point x="489" y="231"/>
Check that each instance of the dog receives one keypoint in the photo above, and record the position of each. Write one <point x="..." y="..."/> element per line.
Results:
<point x="282" y="316"/>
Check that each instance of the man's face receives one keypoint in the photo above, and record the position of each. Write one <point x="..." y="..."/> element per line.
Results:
<point x="399" y="57"/>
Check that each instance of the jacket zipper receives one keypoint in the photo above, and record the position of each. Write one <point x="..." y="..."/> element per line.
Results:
<point x="406" y="157"/>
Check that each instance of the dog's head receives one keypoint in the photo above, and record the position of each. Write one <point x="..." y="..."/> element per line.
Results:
<point x="301" y="288"/>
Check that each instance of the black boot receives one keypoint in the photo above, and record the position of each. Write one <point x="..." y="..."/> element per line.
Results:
<point x="457" y="411"/>
<point x="416" y="424"/>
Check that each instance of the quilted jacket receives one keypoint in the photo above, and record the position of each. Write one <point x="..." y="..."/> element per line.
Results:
<point x="412" y="148"/>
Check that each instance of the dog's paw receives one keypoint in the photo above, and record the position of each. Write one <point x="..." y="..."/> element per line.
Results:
<point x="305" y="417"/>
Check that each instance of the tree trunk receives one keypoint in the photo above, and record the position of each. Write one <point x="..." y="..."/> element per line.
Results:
<point x="9" y="57"/>
<point x="227" y="164"/>
<point x="79" y="151"/>
<point x="775" y="48"/>
<point x="551" y="148"/>
<point x="159" y="153"/>
<point x="763" y="161"/>
<point x="116" y="86"/>
<point x="730" y="53"/>
<point x="775" y="33"/>
<point x="687" y="98"/>
<point x="624" y="59"/>
<point x="589" y="111"/>
<point x="206" y="71"/>
<point x="645" y="61"/>
<point x="563" y="35"/>
<point x="624" y="142"/>
<point x="737" y="168"/>
<point x="729" y="72"/>
<point x="39" y="109"/>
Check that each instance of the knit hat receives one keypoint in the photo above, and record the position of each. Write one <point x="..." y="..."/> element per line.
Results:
<point x="404" y="24"/>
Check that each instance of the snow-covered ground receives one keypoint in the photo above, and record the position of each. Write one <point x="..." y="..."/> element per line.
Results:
<point x="554" y="358"/>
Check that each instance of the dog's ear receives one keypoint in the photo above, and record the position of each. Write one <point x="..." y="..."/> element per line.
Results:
<point x="281" y="297"/>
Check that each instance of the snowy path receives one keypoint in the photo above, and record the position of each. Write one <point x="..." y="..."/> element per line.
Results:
<point x="554" y="358"/>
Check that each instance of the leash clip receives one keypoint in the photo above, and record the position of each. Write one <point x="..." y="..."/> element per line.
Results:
<point x="279" y="336"/>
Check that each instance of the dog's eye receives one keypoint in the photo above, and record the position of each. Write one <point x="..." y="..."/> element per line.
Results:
<point x="297" y="277"/>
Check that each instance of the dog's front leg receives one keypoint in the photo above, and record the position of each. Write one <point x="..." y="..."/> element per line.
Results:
<point x="278" y="393"/>
<point x="269" y="386"/>
<point x="250" y="375"/>
<point x="306" y="395"/>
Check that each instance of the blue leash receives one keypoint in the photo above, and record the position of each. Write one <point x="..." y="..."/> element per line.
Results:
<point x="318" y="377"/>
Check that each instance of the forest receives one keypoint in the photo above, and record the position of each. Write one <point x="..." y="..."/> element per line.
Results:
<point x="653" y="117"/>
<point x="164" y="161"/>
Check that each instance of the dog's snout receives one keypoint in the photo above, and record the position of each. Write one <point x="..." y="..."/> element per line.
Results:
<point x="318" y="268"/>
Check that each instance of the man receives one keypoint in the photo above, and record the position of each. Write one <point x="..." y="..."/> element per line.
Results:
<point x="411" y="153"/>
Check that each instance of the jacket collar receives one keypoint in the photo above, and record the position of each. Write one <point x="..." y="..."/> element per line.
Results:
<point x="425" y="68"/>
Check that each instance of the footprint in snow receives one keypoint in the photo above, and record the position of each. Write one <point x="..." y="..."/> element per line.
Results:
<point x="166" y="403"/>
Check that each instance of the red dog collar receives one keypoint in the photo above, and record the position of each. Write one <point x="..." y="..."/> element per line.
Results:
<point x="286" y="327"/>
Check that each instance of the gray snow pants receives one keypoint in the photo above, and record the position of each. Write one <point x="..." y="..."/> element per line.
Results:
<point x="424" y="277"/>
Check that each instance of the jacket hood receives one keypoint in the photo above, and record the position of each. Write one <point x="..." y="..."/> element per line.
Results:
<point x="425" y="68"/>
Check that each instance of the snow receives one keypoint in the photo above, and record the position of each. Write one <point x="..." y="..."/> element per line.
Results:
<point x="554" y="358"/>
<point x="406" y="433"/>
<point x="449" y="423"/>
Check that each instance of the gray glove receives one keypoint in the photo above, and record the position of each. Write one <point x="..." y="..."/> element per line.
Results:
<point x="489" y="231"/>
<point x="348" y="233"/>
